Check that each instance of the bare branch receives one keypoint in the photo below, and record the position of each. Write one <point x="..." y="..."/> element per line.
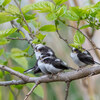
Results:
<point x="22" y="76"/>
<point x="23" y="16"/>
<point x="67" y="89"/>
<point x="29" y="93"/>
<point x="10" y="38"/>
<point x="61" y="36"/>
<point x="94" y="48"/>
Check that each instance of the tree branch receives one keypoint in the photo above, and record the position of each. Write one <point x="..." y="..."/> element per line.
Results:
<point x="67" y="89"/>
<point x="22" y="76"/>
<point x="23" y="16"/>
<point x="29" y="93"/>
<point x="10" y="38"/>
<point x="65" y="77"/>
<point x="61" y="36"/>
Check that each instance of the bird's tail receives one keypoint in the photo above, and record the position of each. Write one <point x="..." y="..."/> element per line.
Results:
<point x="97" y="63"/>
<point x="29" y="70"/>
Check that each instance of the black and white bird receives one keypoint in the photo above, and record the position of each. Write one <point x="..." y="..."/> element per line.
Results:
<point x="82" y="58"/>
<point x="49" y="65"/>
<point x="47" y="62"/>
<point x="40" y="50"/>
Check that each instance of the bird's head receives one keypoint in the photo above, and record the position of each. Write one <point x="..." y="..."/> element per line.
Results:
<point x="75" y="50"/>
<point x="39" y="47"/>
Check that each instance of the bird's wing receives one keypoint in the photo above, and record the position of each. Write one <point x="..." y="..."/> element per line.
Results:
<point x="37" y="70"/>
<point x="86" y="57"/>
<point x="57" y="63"/>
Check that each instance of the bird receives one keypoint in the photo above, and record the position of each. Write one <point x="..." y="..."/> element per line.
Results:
<point x="82" y="57"/>
<point x="47" y="62"/>
<point x="49" y="65"/>
<point x="40" y="50"/>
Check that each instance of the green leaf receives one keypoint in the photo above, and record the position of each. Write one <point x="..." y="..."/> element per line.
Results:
<point x="38" y="90"/>
<point x="29" y="16"/>
<point x="75" y="45"/>
<point x="48" y="28"/>
<point x="7" y="32"/>
<point x="6" y="17"/>
<point x="51" y="16"/>
<point x="11" y="97"/>
<point x="58" y="2"/>
<point x="74" y="13"/>
<point x="1" y="51"/>
<point x="61" y="11"/>
<point x="79" y="38"/>
<point x="13" y="9"/>
<point x="3" y="41"/>
<point x="84" y="26"/>
<point x="1" y="74"/>
<point x="42" y="7"/>
<point x="19" y="87"/>
<point x="5" y="2"/>
<point x="35" y="41"/>
<point x="18" y="56"/>
<point x="3" y="62"/>
<point x="19" y="69"/>
<point x="40" y="36"/>
<point x="27" y="49"/>
<point x="1" y="2"/>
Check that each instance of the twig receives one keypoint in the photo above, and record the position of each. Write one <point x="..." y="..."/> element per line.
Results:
<point x="29" y="39"/>
<point x="29" y="93"/>
<point x="23" y="16"/>
<point x="67" y="89"/>
<point x="61" y="36"/>
<point x="9" y="38"/>
<point x="94" y="48"/>
<point x="15" y="97"/>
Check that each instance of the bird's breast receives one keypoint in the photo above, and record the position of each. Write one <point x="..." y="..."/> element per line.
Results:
<point x="76" y="60"/>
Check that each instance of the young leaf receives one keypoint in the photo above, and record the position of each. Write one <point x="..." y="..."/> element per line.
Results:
<point x="74" y="13"/>
<point x="3" y="41"/>
<point x="19" y="69"/>
<point x="5" y="2"/>
<point x="1" y="74"/>
<point x="13" y="9"/>
<point x="35" y="41"/>
<point x="58" y="2"/>
<point x="61" y="11"/>
<point x="1" y="2"/>
<point x="40" y="36"/>
<point x="48" y="28"/>
<point x="42" y="7"/>
<point x="79" y="38"/>
<point x="38" y="91"/>
<point x="7" y="32"/>
<point x="51" y="16"/>
<point x="84" y="26"/>
<point x="29" y="16"/>
<point x="6" y="17"/>
<point x="1" y="51"/>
